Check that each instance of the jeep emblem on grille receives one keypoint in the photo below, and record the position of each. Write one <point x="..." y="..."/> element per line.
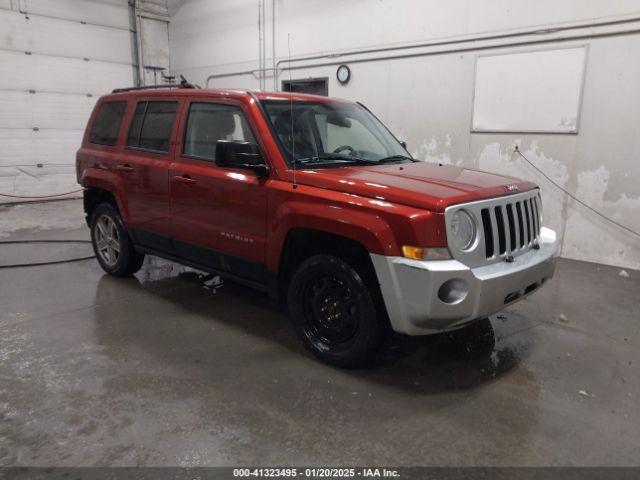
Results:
<point x="512" y="188"/>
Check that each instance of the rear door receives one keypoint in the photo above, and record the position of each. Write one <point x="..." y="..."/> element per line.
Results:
<point x="218" y="213"/>
<point x="144" y="169"/>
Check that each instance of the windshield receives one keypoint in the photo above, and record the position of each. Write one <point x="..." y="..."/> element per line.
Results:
<point x="331" y="134"/>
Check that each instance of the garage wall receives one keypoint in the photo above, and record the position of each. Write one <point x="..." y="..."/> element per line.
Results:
<point x="417" y="74"/>
<point x="56" y="58"/>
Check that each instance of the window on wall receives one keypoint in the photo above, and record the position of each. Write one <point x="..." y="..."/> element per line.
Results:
<point x="210" y="122"/>
<point x="151" y="126"/>
<point x="536" y="91"/>
<point x="106" y="126"/>
<point x="313" y="86"/>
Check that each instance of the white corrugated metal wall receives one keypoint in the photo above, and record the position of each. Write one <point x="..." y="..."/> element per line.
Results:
<point x="56" y="58"/>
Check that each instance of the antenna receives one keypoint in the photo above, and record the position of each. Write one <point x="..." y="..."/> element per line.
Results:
<point x="293" y="142"/>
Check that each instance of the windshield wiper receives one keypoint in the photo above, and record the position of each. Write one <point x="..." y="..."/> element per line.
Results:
<point x="332" y="156"/>
<point x="350" y="159"/>
<point x="394" y="158"/>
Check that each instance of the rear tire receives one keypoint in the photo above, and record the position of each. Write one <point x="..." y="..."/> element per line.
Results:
<point x="111" y="242"/>
<point x="334" y="312"/>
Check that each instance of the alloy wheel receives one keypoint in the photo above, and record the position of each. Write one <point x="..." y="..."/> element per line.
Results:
<point x="107" y="240"/>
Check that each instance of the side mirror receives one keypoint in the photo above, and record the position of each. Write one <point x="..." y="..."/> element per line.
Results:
<point x="404" y="144"/>
<point x="241" y="155"/>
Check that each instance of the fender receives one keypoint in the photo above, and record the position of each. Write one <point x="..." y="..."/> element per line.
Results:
<point x="93" y="177"/>
<point x="366" y="228"/>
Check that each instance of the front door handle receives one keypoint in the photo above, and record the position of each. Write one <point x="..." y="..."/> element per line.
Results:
<point x="123" y="167"/>
<point x="185" y="179"/>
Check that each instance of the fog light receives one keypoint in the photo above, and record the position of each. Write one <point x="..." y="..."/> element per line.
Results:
<point x="453" y="291"/>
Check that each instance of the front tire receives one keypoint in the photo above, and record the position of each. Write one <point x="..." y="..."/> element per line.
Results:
<point x="334" y="312"/>
<point x="111" y="242"/>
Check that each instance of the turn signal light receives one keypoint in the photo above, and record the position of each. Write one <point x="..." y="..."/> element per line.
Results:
<point x="419" y="253"/>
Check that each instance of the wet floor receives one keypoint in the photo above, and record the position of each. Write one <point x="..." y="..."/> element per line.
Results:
<point x="173" y="367"/>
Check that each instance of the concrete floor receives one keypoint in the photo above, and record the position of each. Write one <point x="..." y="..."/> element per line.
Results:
<point x="167" y="369"/>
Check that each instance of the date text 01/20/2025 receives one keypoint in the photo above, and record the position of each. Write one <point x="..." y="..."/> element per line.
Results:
<point x="317" y="472"/>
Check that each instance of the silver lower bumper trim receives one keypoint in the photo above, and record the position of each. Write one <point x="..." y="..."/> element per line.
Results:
<point x="410" y="287"/>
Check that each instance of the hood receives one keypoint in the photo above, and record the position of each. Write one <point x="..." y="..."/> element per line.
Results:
<point x="422" y="185"/>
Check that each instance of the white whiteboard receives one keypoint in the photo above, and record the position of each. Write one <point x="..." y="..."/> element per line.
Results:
<point x="536" y="91"/>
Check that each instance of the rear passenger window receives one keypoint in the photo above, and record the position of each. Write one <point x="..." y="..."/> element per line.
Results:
<point x="106" y="125"/>
<point x="210" y="122"/>
<point x="151" y="126"/>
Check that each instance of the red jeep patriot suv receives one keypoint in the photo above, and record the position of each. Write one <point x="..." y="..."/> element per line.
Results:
<point x="313" y="200"/>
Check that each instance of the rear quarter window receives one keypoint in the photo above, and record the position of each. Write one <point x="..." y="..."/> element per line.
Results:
<point x="151" y="126"/>
<point x="106" y="124"/>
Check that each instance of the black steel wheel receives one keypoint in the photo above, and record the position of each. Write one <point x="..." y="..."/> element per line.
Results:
<point x="111" y="242"/>
<point x="330" y="309"/>
<point x="334" y="312"/>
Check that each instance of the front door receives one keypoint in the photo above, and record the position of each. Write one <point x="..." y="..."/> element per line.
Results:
<point x="144" y="169"/>
<point x="218" y="213"/>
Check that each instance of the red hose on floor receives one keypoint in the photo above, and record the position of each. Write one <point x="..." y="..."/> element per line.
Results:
<point x="42" y="196"/>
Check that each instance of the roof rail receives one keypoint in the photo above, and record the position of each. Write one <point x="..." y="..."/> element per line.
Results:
<point x="153" y="87"/>
<point x="183" y="84"/>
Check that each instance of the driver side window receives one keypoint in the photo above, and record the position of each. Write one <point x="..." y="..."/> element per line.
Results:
<point x="209" y="122"/>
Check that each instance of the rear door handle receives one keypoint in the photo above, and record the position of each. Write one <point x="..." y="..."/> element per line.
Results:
<point x="123" y="167"/>
<point x="185" y="179"/>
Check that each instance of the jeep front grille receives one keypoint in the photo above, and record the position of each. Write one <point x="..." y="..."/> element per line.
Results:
<point x="507" y="227"/>
<point x="511" y="226"/>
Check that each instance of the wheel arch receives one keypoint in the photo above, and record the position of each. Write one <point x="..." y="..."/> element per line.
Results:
<point x="303" y="242"/>
<point x="367" y="229"/>
<point x="103" y="186"/>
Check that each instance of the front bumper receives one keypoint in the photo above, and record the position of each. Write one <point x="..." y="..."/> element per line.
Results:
<point x="410" y="287"/>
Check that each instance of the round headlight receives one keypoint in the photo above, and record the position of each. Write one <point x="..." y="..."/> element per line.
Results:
<point x="463" y="230"/>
